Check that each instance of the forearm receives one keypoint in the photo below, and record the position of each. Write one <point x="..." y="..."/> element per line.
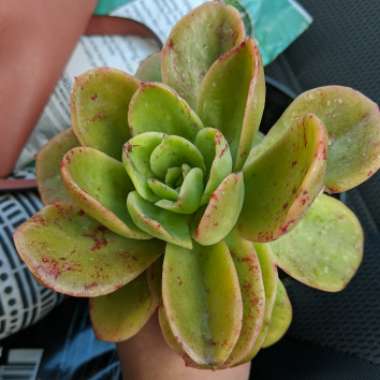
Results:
<point x="36" y="39"/>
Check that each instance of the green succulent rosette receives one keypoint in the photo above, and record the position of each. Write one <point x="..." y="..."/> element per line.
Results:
<point x="162" y="196"/>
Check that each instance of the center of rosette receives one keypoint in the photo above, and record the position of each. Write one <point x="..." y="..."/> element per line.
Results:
<point x="174" y="177"/>
<point x="174" y="173"/>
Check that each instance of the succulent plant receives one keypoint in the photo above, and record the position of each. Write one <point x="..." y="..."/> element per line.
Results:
<point x="164" y="195"/>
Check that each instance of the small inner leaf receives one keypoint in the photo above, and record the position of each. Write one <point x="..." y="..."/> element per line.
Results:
<point x="189" y="197"/>
<point x="353" y="124"/>
<point x="195" y="42"/>
<point x="156" y="107"/>
<point x="173" y="175"/>
<point x="136" y="156"/>
<point x="99" y="185"/>
<point x="185" y="169"/>
<point x="122" y="314"/>
<point x="99" y="108"/>
<point x="202" y="300"/>
<point x="158" y="222"/>
<point x="222" y="211"/>
<point x="174" y="151"/>
<point x="48" y="165"/>
<point x="281" y="317"/>
<point x="73" y="254"/>
<point x="232" y="97"/>
<point x="216" y="152"/>
<point x="325" y="249"/>
<point x="162" y="190"/>
<point x="282" y="176"/>
<point x="252" y="290"/>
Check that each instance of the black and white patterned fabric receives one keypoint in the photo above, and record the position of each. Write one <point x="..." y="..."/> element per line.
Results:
<point x="22" y="300"/>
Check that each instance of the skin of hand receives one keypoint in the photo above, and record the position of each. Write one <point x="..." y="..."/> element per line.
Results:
<point x="36" y="40"/>
<point x="146" y="356"/>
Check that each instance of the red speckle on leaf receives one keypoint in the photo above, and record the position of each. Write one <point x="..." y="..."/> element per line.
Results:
<point x="179" y="280"/>
<point x="265" y="236"/>
<point x="91" y="285"/>
<point x="284" y="229"/>
<point x="60" y="209"/>
<point x="332" y="189"/>
<point x="322" y="151"/>
<point x="39" y="219"/>
<point x="218" y="138"/>
<point x="214" y="196"/>
<point x="128" y="147"/>
<point x="98" y="116"/>
<point x="247" y="286"/>
<point x="304" y="197"/>
<point x="51" y="266"/>
<point x="304" y="136"/>
<point x="81" y="212"/>
<point x="285" y="205"/>
<point x="94" y="97"/>
<point x="294" y="163"/>
<point x="71" y="267"/>
<point x="223" y="151"/>
<point x="98" y="236"/>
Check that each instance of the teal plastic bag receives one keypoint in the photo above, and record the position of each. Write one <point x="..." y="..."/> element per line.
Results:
<point x="275" y="24"/>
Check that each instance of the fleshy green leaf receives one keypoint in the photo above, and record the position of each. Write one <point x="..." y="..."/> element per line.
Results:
<point x="157" y="222"/>
<point x="189" y="197"/>
<point x="325" y="250"/>
<point x="202" y="300"/>
<point x="195" y="42"/>
<point x="122" y="314"/>
<point x="73" y="254"/>
<point x="353" y="124"/>
<point x="271" y="281"/>
<point x="167" y="333"/>
<point x="232" y="97"/>
<point x="216" y="153"/>
<point x="157" y="108"/>
<point x="282" y="176"/>
<point x="48" y="167"/>
<point x="154" y="277"/>
<point x="222" y="211"/>
<point x="136" y="160"/>
<point x="281" y="317"/>
<point x="174" y="151"/>
<point x="150" y="68"/>
<point x="136" y="156"/>
<point x="99" y="109"/>
<point x="99" y="185"/>
<point x="162" y="190"/>
<point x="252" y="289"/>
<point x="173" y="343"/>
<point x="173" y="175"/>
